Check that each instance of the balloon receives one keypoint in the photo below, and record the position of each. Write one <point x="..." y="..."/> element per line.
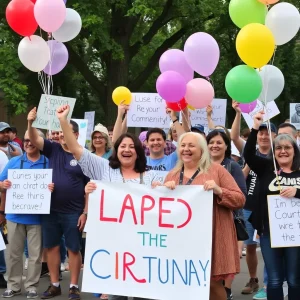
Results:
<point x="267" y="2"/>
<point x="59" y="56"/>
<point x="202" y="53"/>
<point x="171" y="86"/>
<point x="273" y="83"/>
<point x="20" y="17"/>
<point x="283" y="19"/>
<point x="178" y="106"/>
<point x="255" y="45"/>
<point x="50" y="14"/>
<point x="122" y="94"/>
<point x="247" y="107"/>
<point x="244" y="12"/>
<point x="243" y="84"/>
<point x="70" y="28"/>
<point x="34" y="53"/>
<point x="199" y="93"/>
<point x="174" y="60"/>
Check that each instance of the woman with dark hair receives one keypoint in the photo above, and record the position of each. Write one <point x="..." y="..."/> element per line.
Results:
<point x="219" y="146"/>
<point x="281" y="263"/>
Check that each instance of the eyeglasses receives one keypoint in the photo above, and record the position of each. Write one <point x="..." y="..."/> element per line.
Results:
<point x="218" y="130"/>
<point x="26" y="141"/>
<point x="98" y="138"/>
<point x="285" y="148"/>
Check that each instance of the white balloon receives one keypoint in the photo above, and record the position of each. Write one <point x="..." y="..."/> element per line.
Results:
<point x="70" y="28"/>
<point x="34" y="53"/>
<point x="283" y="20"/>
<point x="273" y="83"/>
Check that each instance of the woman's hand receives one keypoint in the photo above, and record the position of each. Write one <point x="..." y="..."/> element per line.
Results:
<point x="90" y="187"/>
<point x="122" y="109"/>
<point x="155" y="184"/>
<point x="51" y="187"/>
<point x="209" y="111"/>
<point x="211" y="185"/>
<point x="258" y="120"/>
<point x="6" y="184"/>
<point x="236" y="106"/>
<point x="288" y="192"/>
<point x="170" y="185"/>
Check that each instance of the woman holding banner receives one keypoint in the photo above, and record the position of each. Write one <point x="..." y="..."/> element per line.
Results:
<point x="284" y="180"/>
<point x="194" y="167"/>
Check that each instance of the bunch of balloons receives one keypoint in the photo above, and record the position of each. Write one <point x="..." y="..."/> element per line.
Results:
<point x="261" y="31"/>
<point x="176" y="84"/>
<point x="52" y="16"/>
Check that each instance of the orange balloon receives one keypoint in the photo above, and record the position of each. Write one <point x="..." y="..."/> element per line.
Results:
<point x="267" y="2"/>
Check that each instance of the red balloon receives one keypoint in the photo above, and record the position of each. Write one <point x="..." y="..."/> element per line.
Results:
<point x="33" y="1"/>
<point x="20" y="17"/>
<point x="178" y="106"/>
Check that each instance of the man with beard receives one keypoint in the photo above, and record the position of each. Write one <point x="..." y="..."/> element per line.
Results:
<point x="5" y="146"/>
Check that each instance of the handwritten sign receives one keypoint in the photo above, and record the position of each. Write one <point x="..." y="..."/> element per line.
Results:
<point x="284" y="217"/>
<point x="147" y="110"/>
<point x="29" y="193"/>
<point x="199" y="116"/>
<point x="83" y="126"/>
<point x="46" y="113"/>
<point x="90" y="116"/>
<point x="271" y="111"/>
<point x="149" y="228"/>
<point x="294" y="115"/>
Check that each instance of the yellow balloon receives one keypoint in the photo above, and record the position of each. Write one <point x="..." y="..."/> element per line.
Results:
<point x="255" y="45"/>
<point x="122" y="94"/>
<point x="191" y="107"/>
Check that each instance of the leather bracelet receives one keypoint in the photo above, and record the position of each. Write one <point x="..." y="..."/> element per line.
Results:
<point x="175" y="121"/>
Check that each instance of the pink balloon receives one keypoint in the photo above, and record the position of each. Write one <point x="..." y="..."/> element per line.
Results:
<point x="50" y="14"/>
<point x="199" y="93"/>
<point x="174" y="60"/>
<point x="202" y="53"/>
<point x="171" y="86"/>
<point x="247" y="107"/>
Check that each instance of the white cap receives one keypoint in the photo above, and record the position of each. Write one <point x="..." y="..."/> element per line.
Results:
<point x="100" y="128"/>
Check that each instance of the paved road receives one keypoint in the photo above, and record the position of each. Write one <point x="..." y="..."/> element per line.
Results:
<point x="239" y="283"/>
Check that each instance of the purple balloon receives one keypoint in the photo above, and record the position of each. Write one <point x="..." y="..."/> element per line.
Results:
<point x="202" y="53"/>
<point x="171" y="86"/>
<point x="59" y="57"/>
<point x="174" y="60"/>
<point x="248" y="107"/>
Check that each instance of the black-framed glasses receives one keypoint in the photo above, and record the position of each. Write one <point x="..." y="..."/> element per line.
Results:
<point x="98" y="138"/>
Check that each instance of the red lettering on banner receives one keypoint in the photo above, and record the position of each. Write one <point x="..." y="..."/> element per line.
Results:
<point x="129" y="207"/>
<point x="126" y="267"/>
<point x="146" y="208"/>
<point x="164" y="211"/>
<point x="189" y="213"/>
<point x="102" y="218"/>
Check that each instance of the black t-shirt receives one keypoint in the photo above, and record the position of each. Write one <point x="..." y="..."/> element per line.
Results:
<point x="69" y="181"/>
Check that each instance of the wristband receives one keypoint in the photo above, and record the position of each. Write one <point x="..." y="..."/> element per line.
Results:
<point x="176" y="120"/>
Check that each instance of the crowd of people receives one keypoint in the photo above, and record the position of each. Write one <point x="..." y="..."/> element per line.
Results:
<point x="241" y="168"/>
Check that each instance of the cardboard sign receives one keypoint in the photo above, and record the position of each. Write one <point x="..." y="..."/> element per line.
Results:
<point x="83" y="126"/>
<point x="284" y="218"/>
<point x="46" y="113"/>
<point x="90" y="116"/>
<point x="294" y="115"/>
<point x="147" y="110"/>
<point x="271" y="111"/>
<point x="29" y="193"/>
<point x="135" y="241"/>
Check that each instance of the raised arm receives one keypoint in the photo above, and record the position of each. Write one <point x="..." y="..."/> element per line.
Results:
<point x="178" y="127"/>
<point x="34" y="136"/>
<point x="236" y="127"/>
<point x="119" y="125"/>
<point x="73" y="146"/>
<point x="210" y="121"/>
<point x="186" y="120"/>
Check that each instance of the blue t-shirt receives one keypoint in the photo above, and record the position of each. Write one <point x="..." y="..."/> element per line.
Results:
<point x="69" y="181"/>
<point x="15" y="163"/>
<point x="166" y="163"/>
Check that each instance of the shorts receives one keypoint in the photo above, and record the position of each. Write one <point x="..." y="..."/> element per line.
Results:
<point x="249" y="228"/>
<point x="55" y="225"/>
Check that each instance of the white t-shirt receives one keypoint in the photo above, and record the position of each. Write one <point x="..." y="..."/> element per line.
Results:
<point x="3" y="161"/>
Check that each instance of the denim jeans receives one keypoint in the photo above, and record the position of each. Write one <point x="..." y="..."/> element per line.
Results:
<point x="2" y="262"/>
<point x="281" y="263"/>
<point x="26" y="249"/>
<point x="265" y="276"/>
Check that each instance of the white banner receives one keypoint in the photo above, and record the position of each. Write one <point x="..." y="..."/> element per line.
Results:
<point x="46" y="113"/>
<point x="270" y="112"/>
<point x="29" y="193"/>
<point x="147" y="110"/>
<point x="284" y="218"/>
<point x="83" y="126"/>
<point x="90" y="116"/>
<point x="149" y="243"/>
<point x="294" y="115"/>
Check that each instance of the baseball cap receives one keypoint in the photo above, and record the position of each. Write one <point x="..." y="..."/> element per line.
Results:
<point x="100" y="128"/>
<point x="272" y="126"/>
<point x="198" y="127"/>
<point x="143" y="136"/>
<point x="4" y="126"/>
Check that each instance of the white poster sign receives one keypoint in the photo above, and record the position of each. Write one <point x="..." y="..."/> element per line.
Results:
<point x="135" y="241"/>
<point x="284" y="218"/>
<point x="29" y="193"/>
<point x="90" y="116"/>
<point x="46" y="113"/>
<point x="2" y="243"/>
<point x="199" y="116"/>
<point x="83" y="126"/>
<point x="271" y="111"/>
<point x="147" y="110"/>
<point x="295" y="114"/>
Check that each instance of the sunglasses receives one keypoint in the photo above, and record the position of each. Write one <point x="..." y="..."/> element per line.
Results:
<point x="218" y="130"/>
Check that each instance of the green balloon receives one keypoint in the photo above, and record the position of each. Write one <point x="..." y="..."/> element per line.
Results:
<point x="243" y="84"/>
<point x="244" y="12"/>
